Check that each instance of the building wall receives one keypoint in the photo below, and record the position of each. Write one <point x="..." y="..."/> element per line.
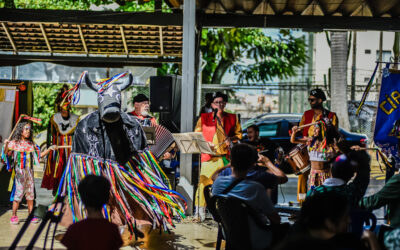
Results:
<point x="366" y="56"/>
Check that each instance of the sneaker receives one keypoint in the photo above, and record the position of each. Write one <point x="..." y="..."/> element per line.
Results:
<point x="14" y="220"/>
<point x="35" y="220"/>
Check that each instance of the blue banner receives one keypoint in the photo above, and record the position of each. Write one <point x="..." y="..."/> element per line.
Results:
<point x="388" y="113"/>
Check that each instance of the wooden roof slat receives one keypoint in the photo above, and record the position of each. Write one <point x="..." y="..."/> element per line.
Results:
<point x="313" y="9"/>
<point x="161" y="41"/>
<point x="363" y="10"/>
<point x="10" y="38"/>
<point x="83" y="39"/>
<point x="45" y="37"/>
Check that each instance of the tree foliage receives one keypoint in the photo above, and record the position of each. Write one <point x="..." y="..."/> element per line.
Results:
<point x="227" y="50"/>
<point x="51" y="4"/>
<point x="124" y="5"/>
<point x="44" y="96"/>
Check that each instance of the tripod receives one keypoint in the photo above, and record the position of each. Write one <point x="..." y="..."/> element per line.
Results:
<point x="53" y="215"/>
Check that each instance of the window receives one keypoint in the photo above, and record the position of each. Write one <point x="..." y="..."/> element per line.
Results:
<point x="386" y="54"/>
<point x="367" y="51"/>
<point x="366" y="79"/>
<point x="268" y="129"/>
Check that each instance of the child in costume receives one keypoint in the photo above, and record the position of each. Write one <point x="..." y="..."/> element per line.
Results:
<point x="321" y="149"/>
<point x="20" y="155"/>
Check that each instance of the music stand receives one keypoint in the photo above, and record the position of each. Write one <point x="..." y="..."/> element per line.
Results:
<point x="150" y="133"/>
<point x="193" y="143"/>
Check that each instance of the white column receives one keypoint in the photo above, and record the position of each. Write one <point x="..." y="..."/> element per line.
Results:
<point x="187" y="96"/>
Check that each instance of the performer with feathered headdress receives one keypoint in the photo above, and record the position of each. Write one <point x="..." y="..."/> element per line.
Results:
<point x="60" y="131"/>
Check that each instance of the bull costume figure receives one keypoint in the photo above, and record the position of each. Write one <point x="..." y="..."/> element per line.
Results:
<point x="112" y="143"/>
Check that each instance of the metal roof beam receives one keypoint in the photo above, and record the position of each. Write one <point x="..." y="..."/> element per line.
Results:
<point x="95" y="17"/>
<point x="10" y="38"/>
<point x="82" y="61"/>
<point x="304" y="22"/>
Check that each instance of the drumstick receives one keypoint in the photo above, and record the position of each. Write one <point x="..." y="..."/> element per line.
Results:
<point x="307" y="125"/>
<point x="64" y="147"/>
<point x="361" y="148"/>
<point x="263" y="151"/>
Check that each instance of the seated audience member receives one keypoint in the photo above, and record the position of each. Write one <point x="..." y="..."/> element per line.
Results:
<point x="392" y="240"/>
<point x="388" y="195"/>
<point x="323" y="224"/>
<point x="243" y="157"/>
<point x="94" y="232"/>
<point x="343" y="170"/>
<point x="265" y="173"/>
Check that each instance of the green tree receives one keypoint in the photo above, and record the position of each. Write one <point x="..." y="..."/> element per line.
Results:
<point x="44" y="96"/>
<point x="226" y="49"/>
<point x="51" y="4"/>
<point x="124" y="5"/>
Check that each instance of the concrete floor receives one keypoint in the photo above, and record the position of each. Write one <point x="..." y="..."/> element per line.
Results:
<point x="201" y="236"/>
<point x="186" y="235"/>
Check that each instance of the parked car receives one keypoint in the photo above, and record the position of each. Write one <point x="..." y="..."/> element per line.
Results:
<point x="277" y="126"/>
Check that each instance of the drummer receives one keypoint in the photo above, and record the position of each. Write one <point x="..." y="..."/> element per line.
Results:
<point x="321" y="149"/>
<point x="264" y="145"/>
<point x="317" y="111"/>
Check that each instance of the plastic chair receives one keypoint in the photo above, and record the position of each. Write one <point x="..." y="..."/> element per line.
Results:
<point x="359" y="218"/>
<point x="235" y="214"/>
<point x="234" y="219"/>
<point x="210" y="204"/>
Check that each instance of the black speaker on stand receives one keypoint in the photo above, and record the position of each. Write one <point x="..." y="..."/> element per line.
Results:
<point x="165" y="98"/>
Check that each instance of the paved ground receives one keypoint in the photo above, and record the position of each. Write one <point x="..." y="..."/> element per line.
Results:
<point x="186" y="235"/>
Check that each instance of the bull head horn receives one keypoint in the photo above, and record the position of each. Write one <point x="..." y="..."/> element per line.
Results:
<point x="126" y="82"/>
<point x="89" y="82"/>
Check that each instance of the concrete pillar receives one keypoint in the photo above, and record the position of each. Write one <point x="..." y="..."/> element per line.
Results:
<point x="185" y="186"/>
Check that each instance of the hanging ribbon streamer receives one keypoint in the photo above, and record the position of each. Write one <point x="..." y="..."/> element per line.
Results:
<point x="73" y="95"/>
<point x="104" y="85"/>
<point x="367" y="89"/>
<point x="385" y="160"/>
<point x="140" y="180"/>
<point x="32" y="119"/>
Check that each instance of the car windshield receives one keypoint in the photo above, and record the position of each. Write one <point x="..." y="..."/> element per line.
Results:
<point x="268" y="129"/>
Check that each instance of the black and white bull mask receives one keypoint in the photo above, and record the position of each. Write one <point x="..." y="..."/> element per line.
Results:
<point x="109" y="101"/>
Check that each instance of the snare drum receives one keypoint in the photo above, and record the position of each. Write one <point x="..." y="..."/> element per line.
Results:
<point x="298" y="159"/>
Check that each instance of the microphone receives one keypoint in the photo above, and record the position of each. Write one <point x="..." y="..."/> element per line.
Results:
<point x="215" y="114"/>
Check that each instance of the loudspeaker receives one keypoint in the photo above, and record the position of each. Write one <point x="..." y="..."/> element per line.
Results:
<point x="165" y="97"/>
<point x="161" y="93"/>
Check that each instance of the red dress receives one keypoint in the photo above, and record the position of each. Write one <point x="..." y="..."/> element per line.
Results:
<point x="61" y="131"/>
